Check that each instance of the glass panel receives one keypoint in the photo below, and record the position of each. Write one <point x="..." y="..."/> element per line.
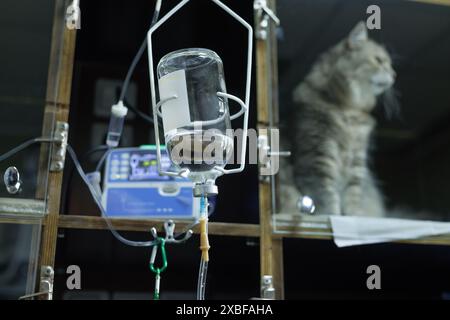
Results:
<point x="353" y="151"/>
<point x="25" y="34"/>
<point x="19" y="244"/>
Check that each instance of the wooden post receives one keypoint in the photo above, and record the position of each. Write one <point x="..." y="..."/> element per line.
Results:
<point x="277" y="243"/>
<point x="271" y="250"/>
<point x="56" y="109"/>
<point x="264" y="185"/>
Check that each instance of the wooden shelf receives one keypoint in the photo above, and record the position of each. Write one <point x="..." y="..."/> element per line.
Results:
<point x="214" y="228"/>
<point x="320" y="228"/>
<point x="443" y="240"/>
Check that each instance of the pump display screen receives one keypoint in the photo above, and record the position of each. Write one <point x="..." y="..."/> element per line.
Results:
<point x="144" y="166"/>
<point x="137" y="165"/>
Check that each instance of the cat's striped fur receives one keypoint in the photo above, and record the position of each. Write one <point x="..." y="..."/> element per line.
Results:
<point x="332" y="126"/>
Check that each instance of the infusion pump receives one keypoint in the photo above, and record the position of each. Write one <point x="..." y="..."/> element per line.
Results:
<point x="133" y="188"/>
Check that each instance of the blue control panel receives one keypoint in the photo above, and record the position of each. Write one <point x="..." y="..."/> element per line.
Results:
<point x="133" y="188"/>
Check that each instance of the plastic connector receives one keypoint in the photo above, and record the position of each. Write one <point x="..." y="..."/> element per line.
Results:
<point x="204" y="241"/>
<point x="118" y="113"/>
<point x="95" y="179"/>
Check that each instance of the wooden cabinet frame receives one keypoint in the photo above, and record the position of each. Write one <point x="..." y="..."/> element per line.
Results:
<point x="267" y="95"/>
<point x="57" y="109"/>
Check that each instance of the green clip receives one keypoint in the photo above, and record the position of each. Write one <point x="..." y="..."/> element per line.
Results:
<point x="160" y="242"/>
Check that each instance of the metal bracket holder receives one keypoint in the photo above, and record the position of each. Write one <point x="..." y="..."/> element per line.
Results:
<point x="169" y="227"/>
<point x="263" y="16"/>
<point x="60" y="135"/>
<point x="267" y="289"/>
<point x="265" y="153"/>
<point x="45" y="285"/>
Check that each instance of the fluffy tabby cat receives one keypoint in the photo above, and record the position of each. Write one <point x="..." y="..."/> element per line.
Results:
<point x="332" y="124"/>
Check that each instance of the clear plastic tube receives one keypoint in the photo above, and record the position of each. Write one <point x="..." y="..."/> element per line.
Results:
<point x="102" y="159"/>
<point x="119" y="110"/>
<point x="100" y="206"/>
<point x="201" y="285"/>
<point x="118" y="114"/>
<point x="86" y="181"/>
<point x="203" y="270"/>
<point x="139" y="54"/>
<point x="24" y="145"/>
<point x="92" y="189"/>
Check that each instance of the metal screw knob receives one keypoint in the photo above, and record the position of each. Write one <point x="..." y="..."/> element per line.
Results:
<point x="11" y="178"/>
<point x="306" y="205"/>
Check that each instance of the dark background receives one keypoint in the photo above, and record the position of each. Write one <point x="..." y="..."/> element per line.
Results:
<point x="111" y="32"/>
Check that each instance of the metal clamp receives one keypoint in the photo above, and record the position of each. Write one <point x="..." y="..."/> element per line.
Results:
<point x="45" y="286"/>
<point x="161" y="245"/>
<point x="169" y="227"/>
<point x="207" y="188"/>
<point x="267" y="289"/>
<point x="60" y="135"/>
<point x="263" y="15"/>
<point x="265" y="154"/>
<point x="47" y="278"/>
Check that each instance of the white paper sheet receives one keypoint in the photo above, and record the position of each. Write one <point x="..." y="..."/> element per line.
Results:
<point x="353" y="231"/>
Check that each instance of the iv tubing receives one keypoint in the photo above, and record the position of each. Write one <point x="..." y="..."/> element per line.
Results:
<point x="91" y="188"/>
<point x="100" y="206"/>
<point x="139" y="54"/>
<point x="24" y="145"/>
<point x="97" y="200"/>
<point x="204" y="247"/>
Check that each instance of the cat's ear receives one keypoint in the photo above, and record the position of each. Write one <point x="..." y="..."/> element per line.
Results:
<point x="357" y="35"/>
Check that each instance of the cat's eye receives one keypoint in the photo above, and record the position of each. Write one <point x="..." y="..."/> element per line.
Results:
<point x="379" y="60"/>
